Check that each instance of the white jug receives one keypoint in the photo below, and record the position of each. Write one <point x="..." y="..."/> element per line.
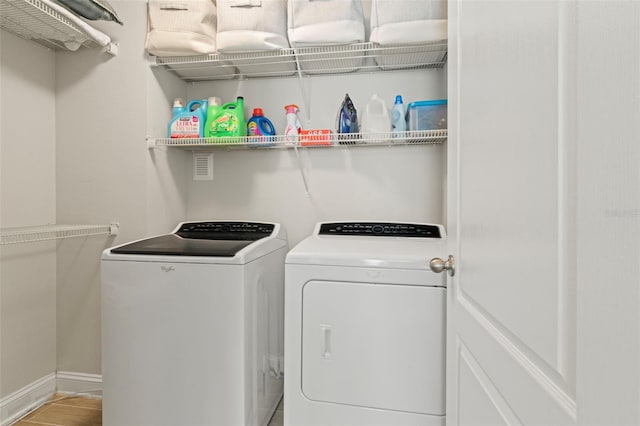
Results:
<point x="376" y="117"/>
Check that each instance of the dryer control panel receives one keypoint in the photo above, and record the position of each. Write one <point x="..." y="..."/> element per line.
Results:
<point x="381" y="229"/>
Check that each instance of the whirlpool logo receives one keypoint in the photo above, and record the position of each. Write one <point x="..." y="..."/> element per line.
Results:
<point x="167" y="268"/>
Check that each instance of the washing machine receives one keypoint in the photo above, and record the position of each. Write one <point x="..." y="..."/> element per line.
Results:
<point x="192" y="326"/>
<point x="365" y="326"/>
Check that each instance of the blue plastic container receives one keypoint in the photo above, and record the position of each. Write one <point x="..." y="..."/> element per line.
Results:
<point x="427" y="115"/>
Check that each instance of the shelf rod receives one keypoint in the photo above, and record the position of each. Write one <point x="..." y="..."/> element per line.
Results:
<point x="54" y="232"/>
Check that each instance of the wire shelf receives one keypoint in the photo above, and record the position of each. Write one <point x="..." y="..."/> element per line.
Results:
<point x="421" y="137"/>
<point x="35" y="20"/>
<point x="334" y="59"/>
<point x="53" y="232"/>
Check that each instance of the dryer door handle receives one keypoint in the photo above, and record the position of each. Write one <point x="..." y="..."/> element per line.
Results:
<point x="325" y="351"/>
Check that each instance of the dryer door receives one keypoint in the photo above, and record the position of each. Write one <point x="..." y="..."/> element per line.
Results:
<point x="374" y="345"/>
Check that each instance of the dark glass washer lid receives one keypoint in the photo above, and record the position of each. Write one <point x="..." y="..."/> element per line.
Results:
<point x="174" y="245"/>
<point x="215" y="239"/>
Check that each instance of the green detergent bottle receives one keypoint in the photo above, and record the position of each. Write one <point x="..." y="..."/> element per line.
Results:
<point x="226" y="120"/>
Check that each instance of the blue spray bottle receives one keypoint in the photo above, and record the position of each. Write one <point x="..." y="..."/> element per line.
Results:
<point x="398" y="120"/>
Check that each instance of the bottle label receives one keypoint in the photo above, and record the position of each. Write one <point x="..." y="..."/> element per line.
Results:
<point x="186" y="127"/>
<point x="253" y="129"/>
<point x="225" y="124"/>
<point x="315" y="137"/>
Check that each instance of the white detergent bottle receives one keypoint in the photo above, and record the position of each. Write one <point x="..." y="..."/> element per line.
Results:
<point x="376" y="120"/>
<point x="398" y="121"/>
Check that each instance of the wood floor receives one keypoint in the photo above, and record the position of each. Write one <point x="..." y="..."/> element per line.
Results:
<point x="63" y="410"/>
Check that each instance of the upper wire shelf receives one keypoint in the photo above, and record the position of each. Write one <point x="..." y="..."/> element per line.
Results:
<point x="37" y="21"/>
<point x="332" y="59"/>
<point x="53" y="232"/>
<point x="419" y="137"/>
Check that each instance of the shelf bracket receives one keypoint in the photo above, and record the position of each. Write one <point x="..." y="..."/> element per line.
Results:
<point x="112" y="49"/>
<point x="151" y="142"/>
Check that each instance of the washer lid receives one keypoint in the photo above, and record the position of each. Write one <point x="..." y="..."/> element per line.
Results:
<point x="238" y="242"/>
<point x="175" y="245"/>
<point x="371" y="250"/>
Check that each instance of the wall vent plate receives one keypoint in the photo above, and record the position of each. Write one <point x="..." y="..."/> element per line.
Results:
<point x="202" y="166"/>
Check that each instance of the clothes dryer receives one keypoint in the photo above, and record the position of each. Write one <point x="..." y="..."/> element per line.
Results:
<point x="192" y="326"/>
<point x="365" y="326"/>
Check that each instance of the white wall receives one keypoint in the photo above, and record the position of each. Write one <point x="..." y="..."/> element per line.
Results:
<point x="106" y="173"/>
<point x="27" y="198"/>
<point x="373" y="183"/>
<point x="358" y="183"/>
<point x="101" y="104"/>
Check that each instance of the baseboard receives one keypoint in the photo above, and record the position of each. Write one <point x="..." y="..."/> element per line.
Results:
<point x="79" y="383"/>
<point x="32" y="396"/>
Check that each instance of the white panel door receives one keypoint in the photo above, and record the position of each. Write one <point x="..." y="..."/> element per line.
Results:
<point x="544" y="105"/>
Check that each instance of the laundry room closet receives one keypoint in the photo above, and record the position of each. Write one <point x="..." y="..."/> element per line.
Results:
<point x="83" y="143"/>
<point x="535" y="181"/>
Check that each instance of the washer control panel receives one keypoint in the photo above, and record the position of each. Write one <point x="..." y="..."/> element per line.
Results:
<point x="381" y="229"/>
<point x="225" y="230"/>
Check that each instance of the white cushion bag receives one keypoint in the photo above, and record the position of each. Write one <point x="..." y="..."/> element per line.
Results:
<point x="255" y="25"/>
<point x="406" y="22"/>
<point x="181" y="27"/>
<point x="334" y="24"/>
<point x="323" y="22"/>
<point x="184" y="28"/>
<point x="246" y="25"/>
